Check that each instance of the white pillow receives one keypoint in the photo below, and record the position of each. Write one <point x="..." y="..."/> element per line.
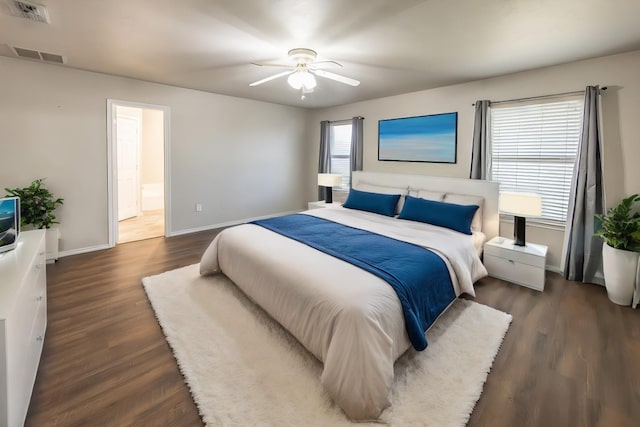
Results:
<point x="436" y="196"/>
<point x="463" y="199"/>
<point x="381" y="189"/>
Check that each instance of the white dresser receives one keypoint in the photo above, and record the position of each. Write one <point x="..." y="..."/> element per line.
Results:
<point x="524" y="265"/>
<point x="23" y="320"/>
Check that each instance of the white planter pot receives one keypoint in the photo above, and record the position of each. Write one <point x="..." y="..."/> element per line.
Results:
<point x="620" y="268"/>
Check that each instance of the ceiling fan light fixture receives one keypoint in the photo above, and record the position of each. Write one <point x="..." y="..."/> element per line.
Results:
<point x="301" y="79"/>
<point x="302" y="75"/>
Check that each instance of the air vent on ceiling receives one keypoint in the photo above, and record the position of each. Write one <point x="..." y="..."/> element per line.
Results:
<point x="34" y="54"/>
<point x="29" y="10"/>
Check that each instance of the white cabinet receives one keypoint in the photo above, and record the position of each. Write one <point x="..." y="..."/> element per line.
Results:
<point x="524" y="265"/>
<point x="23" y="320"/>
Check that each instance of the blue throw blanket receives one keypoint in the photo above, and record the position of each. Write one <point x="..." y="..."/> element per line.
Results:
<point x="419" y="277"/>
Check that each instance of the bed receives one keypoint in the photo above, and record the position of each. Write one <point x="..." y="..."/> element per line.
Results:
<point x="349" y="318"/>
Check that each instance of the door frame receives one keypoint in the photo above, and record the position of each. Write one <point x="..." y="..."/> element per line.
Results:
<point x="112" y="170"/>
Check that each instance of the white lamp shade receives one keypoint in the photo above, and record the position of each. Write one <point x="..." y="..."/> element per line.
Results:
<point x="300" y="79"/>
<point x="521" y="204"/>
<point x="329" y="179"/>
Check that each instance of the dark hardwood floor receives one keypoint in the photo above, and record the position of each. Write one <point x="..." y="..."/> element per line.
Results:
<point x="570" y="358"/>
<point x="105" y="361"/>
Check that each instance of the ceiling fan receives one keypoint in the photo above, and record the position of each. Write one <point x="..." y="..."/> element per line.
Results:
<point x="302" y="70"/>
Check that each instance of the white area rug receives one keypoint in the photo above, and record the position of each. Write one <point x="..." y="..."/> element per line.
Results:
<point x="244" y="369"/>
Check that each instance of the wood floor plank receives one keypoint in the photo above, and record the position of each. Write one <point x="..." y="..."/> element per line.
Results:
<point x="105" y="361"/>
<point x="570" y="358"/>
<point x="567" y="360"/>
<point x="145" y="226"/>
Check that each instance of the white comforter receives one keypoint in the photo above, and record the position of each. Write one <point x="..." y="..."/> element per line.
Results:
<point x="348" y="318"/>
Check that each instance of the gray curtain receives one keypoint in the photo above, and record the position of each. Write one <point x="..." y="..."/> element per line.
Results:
<point x="324" y="163"/>
<point x="356" y="145"/>
<point x="583" y="260"/>
<point x="481" y="149"/>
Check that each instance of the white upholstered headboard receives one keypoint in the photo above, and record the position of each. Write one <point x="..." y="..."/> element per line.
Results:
<point x="487" y="189"/>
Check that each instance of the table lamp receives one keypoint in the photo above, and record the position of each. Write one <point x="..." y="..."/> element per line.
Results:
<point x="329" y="180"/>
<point x="520" y="205"/>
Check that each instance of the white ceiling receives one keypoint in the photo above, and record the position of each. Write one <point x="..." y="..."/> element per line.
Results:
<point x="392" y="46"/>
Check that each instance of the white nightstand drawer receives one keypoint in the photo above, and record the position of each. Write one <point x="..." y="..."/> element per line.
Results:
<point x="531" y="254"/>
<point x="514" y="271"/>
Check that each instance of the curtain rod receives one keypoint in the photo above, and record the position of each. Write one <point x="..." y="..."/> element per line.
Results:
<point x="577" y="92"/>
<point x="344" y="120"/>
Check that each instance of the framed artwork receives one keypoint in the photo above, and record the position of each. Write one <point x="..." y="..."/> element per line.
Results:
<point x="432" y="139"/>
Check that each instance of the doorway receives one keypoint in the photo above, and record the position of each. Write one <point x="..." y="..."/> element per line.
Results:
<point x="137" y="162"/>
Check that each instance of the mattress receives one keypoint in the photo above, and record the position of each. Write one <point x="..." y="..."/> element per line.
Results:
<point x="349" y="319"/>
<point x="478" y="240"/>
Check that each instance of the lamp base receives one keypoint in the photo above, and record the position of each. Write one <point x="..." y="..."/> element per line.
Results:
<point x="519" y="227"/>
<point x="328" y="195"/>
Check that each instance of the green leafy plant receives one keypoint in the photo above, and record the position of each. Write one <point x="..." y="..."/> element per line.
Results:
<point x="36" y="204"/>
<point x="620" y="227"/>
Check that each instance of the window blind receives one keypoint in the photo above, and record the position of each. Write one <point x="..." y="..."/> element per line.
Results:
<point x="534" y="150"/>
<point x="340" y="149"/>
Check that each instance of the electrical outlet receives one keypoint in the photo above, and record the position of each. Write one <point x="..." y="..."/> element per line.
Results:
<point x="198" y="207"/>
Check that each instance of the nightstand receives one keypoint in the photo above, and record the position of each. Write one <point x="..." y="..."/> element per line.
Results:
<point x="524" y="265"/>
<point x="322" y="204"/>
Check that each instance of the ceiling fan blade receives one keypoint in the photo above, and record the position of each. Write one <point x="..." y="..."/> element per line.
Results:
<point x="337" y="77"/>
<point x="272" y="64"/>
<point x="275" y="76"/>
<point x="324" y="64"/>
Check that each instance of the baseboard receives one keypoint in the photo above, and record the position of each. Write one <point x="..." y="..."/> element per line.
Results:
<point x="598" y="278"/>
<point x="554" y="269"/>
<point x="82" y="250"/>
<point x="227" y="224"/>
<point x="176" y="233"/>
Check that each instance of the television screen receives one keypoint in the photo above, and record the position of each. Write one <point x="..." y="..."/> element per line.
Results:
<point x="9" y="223"/>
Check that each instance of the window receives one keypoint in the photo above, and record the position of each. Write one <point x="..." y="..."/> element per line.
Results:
<point x="340" y="151"/>
<point x="534" y="149"/>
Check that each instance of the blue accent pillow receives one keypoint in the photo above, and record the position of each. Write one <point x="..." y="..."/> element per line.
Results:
<point x="449" y="215"/>
<point x="383" y="204"/>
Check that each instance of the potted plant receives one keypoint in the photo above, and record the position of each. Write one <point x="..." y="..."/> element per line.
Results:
<point x="37" y="205"/>
<point x="620" y="230"/>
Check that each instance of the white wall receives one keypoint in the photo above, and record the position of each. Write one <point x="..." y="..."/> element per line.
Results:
<point x="152" y="147"/>
<point x="237" y="157"/>
<point x="243" y="158"/>
<point x="621" y="125"/>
